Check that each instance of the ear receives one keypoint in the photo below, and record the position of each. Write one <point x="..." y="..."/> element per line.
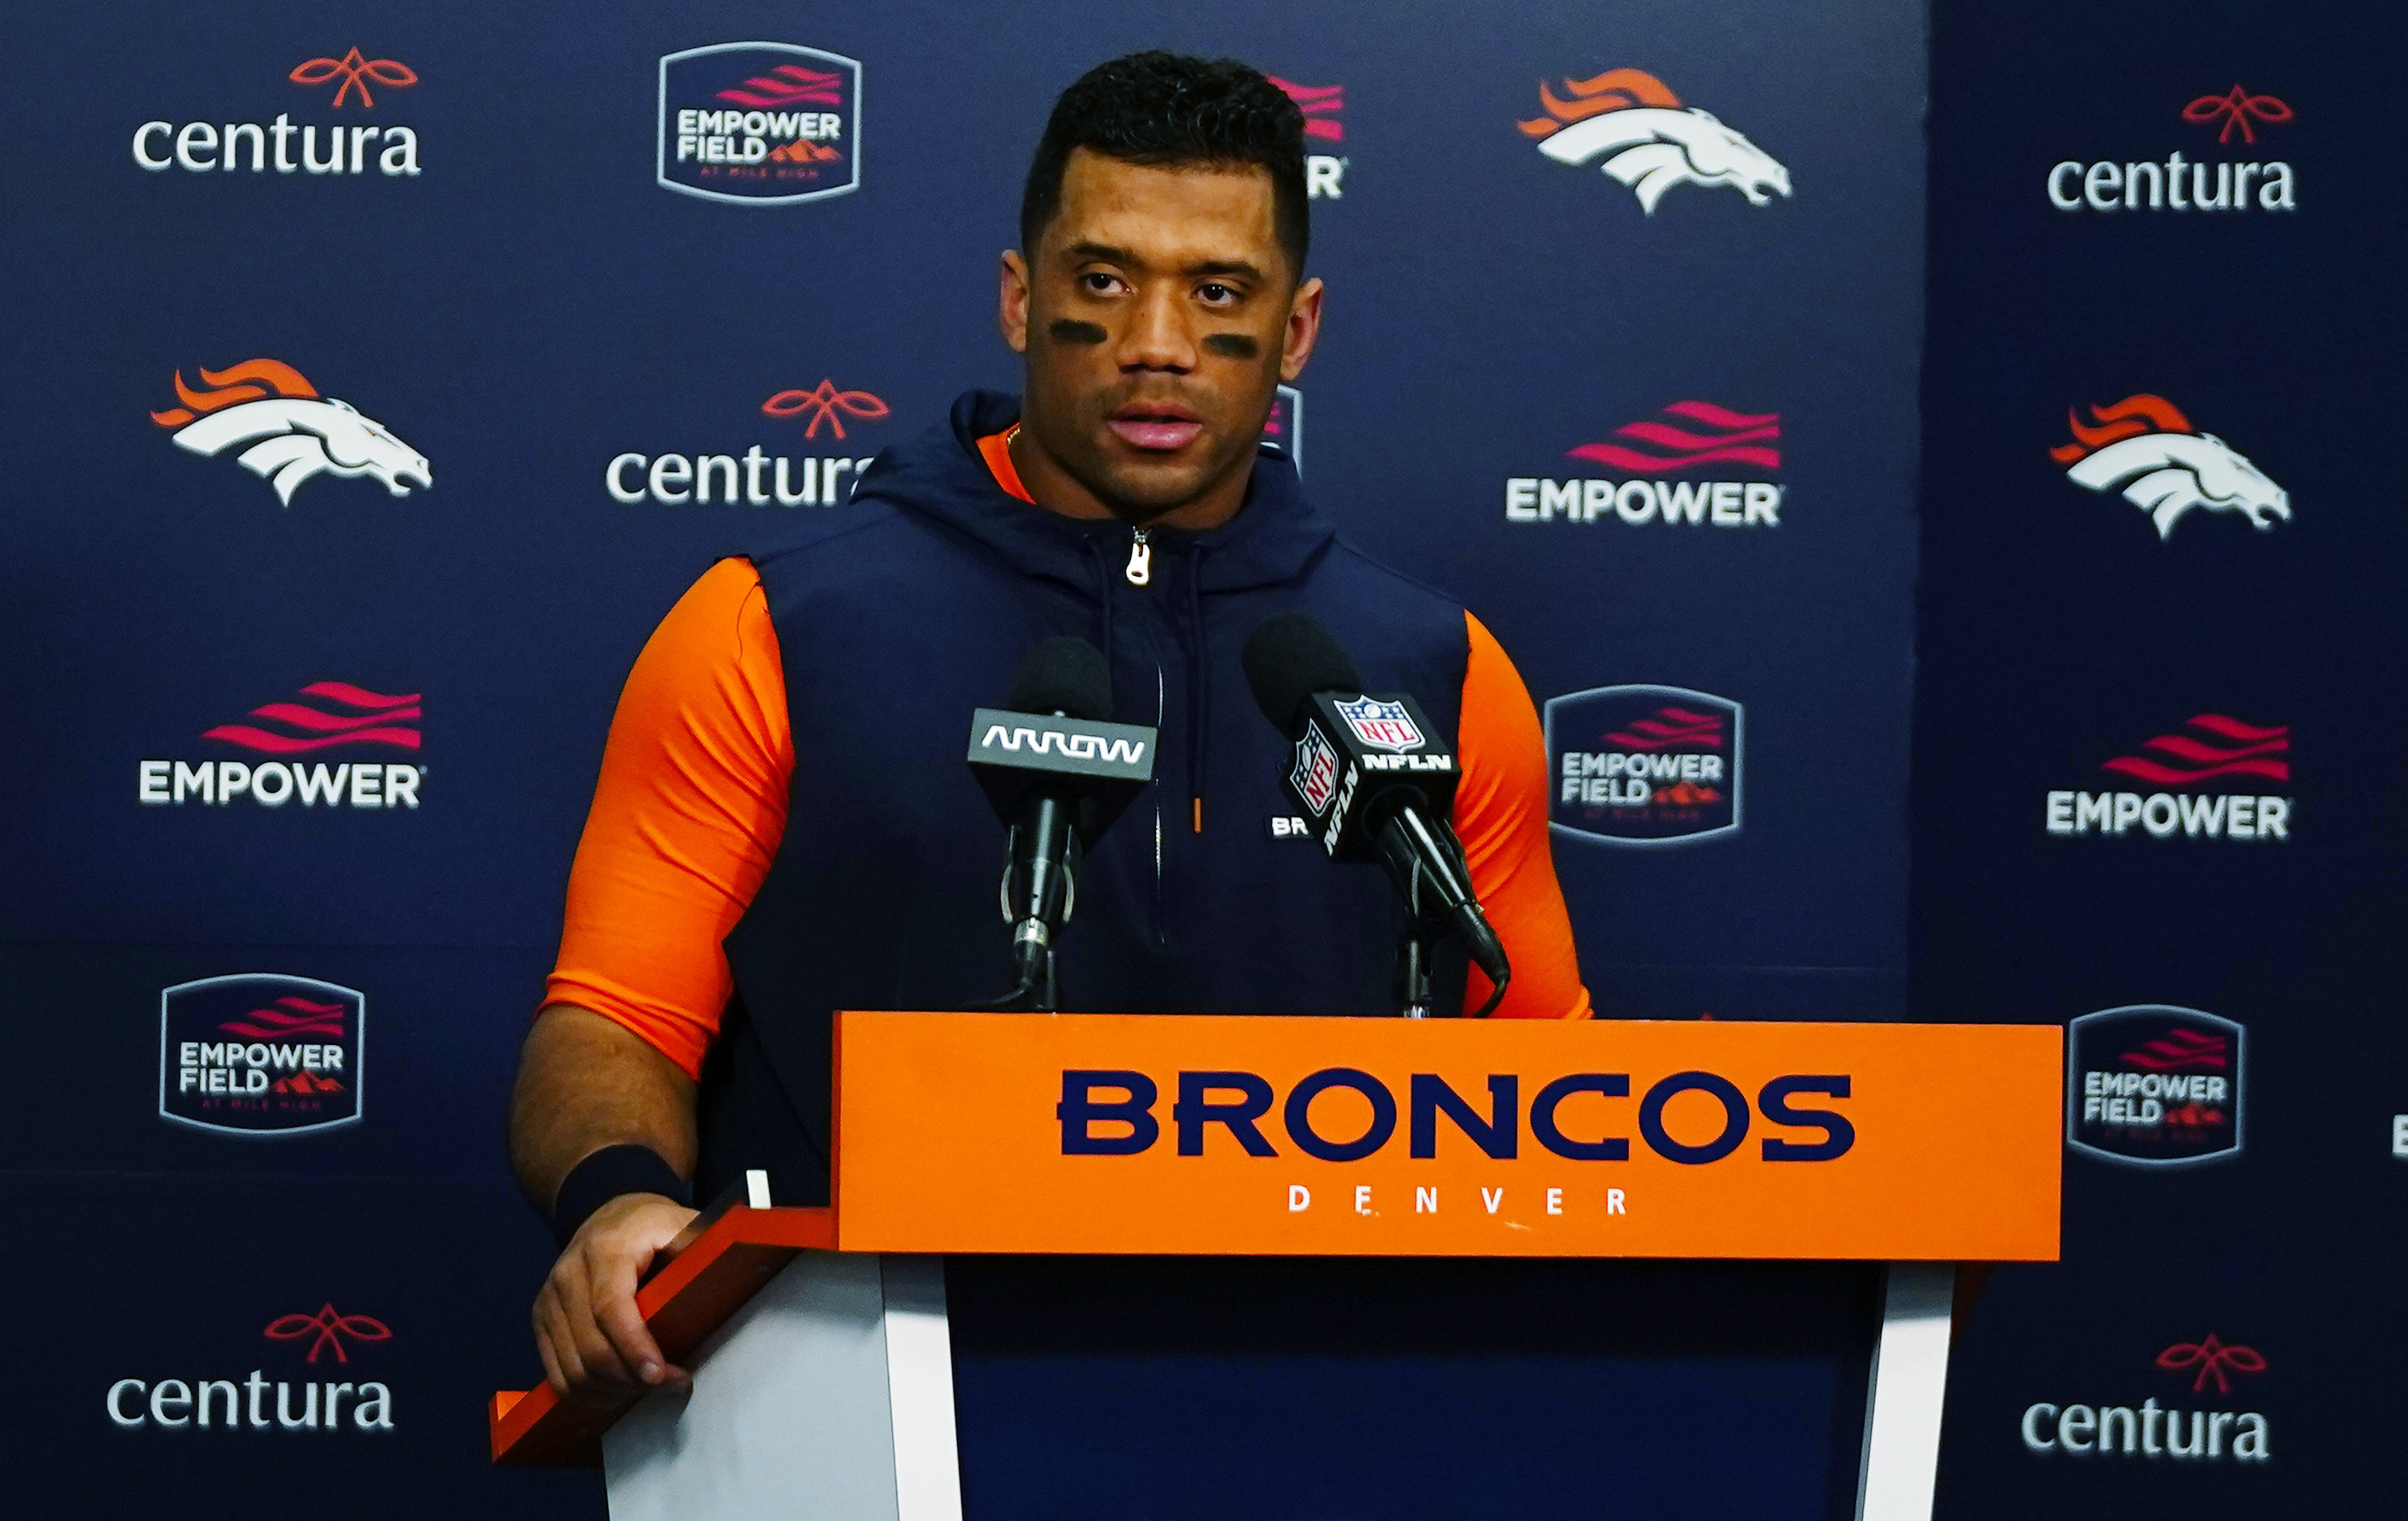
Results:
<point x="1011" y="312"/>
<point x="1303" y="328"/>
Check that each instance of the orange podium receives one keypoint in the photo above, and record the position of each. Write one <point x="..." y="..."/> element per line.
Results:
<point x="1916" y="1145"/>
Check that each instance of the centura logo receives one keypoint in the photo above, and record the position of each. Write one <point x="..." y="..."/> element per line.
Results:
<point x="2220" y="763"/>
<point x="757" y="477"/>
<point x="2179" y="184"/>
<point x="1325" y="174"/>
<point x="322" y="715"/>
<point x="759" y="123"/>
<point x="1683" y="438"/>
<point x="1645" y="765"/>
<point x="2214" y="1360"/>
<point x="292" y="433"/>
<point x="351" y="73"/>
<point x="326" y="1329"/>
<point x="1650" y="142"/>
<point x="2151" y="1431"/>
<point x="825" y="403"/>
<point x="1284" y="427"/>
<point x="2236" y="109"/>
<point x="2154" y="1085"/>
<point x="261" y="1053"/>
<point x="1315" y="772"/>
<point x="221" y="146"/>
<point x="1384" y="726"/>
<point x="2144" y="446"/>
<point x="225" y="1404"/>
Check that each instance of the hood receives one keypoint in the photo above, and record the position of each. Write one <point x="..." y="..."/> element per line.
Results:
<point x="939" y="475"/>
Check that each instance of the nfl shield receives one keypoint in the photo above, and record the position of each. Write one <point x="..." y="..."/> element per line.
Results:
<point x="1384" y="725"/>
<point x="1315" y="774"/>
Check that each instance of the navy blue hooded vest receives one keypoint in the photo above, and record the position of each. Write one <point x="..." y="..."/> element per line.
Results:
<point x="900" y="613"/>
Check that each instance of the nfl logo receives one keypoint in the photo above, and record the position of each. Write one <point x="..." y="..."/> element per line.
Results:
<point x="1315" y="776"/>
<point x="1384" y="725"/>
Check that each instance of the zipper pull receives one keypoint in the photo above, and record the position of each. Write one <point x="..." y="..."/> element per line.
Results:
<point x="1140" y="565"/>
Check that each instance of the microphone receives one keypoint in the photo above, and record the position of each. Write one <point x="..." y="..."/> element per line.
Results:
<point x="1377" y="782"/>
<point x="1058" y="773"/>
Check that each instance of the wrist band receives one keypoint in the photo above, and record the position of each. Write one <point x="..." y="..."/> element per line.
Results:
<point x="604" y="1176"/>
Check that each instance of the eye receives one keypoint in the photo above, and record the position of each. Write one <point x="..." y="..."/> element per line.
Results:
<point x="1098" y="282"/>
<point x="1216" y="295"/>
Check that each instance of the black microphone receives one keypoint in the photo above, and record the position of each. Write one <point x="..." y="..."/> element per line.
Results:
<point x="1058" y="773"/>
<point x="1376" y="782"/>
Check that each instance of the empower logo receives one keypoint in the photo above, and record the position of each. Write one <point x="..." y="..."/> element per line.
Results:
<point x="322" y="715"/>
<point x="1649" y="142"/>
<point x="1324" y="173"/>
<point x="2208" y="782"/>
<point x="1683" y="438"/>
<point x="287" y="433"/>
<point x="2144" y="447"/>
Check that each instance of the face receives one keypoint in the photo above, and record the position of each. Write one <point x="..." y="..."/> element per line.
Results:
<point x="1158" y="315"/>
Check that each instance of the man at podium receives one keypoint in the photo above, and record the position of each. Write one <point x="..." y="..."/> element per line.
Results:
<point x="782" y="829"/>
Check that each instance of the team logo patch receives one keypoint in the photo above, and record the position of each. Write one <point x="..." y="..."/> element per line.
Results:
<point x="1649" y="142"/>
<point x="759" y="123"/>
<point x="1384" y="725"/>
<point x="1645" y="765"/>
<point x="2144" y="447"/>
<point x="2154" y="1085"/>
<point x="1315" y="775"/>
<point x="260" y="1053"/>
<point x="288" y="432"/>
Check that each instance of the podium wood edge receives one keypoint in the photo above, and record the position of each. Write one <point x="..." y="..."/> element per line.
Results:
<point x="683" y="1304"/>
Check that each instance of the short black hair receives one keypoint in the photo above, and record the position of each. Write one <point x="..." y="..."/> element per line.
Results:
<point x="1163" y="109"/>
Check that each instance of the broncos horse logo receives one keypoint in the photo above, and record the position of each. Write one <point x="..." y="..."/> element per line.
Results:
<point x="2147" y="445"/>
<point x="1653" y="143"/>
<point x="292" y="432"/>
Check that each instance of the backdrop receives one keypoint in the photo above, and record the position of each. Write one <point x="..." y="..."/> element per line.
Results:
<point x="380" y="375"/>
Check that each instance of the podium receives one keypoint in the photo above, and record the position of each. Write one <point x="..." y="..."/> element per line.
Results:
<point x="819" y="1339"/>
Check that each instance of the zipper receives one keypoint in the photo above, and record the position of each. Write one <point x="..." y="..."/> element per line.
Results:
<point x="1140" y="564"/>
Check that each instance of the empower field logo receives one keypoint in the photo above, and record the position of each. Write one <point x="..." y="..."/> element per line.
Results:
<point x="759" y="123"/>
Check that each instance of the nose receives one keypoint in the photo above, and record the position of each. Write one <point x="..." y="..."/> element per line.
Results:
<point x="1156" y="337"/>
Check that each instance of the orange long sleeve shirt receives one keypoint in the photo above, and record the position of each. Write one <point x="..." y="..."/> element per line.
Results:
<point x="691" y="804"/>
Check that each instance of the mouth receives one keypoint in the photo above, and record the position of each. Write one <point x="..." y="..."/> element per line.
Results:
<point x="1156" y="427"/>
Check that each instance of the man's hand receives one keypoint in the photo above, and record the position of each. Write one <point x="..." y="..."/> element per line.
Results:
<point x="595" y="1348"/>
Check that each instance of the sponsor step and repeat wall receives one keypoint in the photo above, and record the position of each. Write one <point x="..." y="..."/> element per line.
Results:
<point x="2157" y="790"/>
<point x="383" y="375"/>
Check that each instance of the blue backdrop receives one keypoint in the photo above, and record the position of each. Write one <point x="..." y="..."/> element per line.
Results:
<point x="317" y="691"/>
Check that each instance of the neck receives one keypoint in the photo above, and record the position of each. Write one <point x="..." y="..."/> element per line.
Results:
<point x="1059" y="491"/>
